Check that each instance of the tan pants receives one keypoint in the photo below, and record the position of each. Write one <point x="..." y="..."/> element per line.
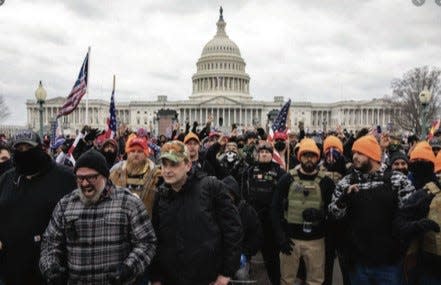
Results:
<point x="313" y="253"/>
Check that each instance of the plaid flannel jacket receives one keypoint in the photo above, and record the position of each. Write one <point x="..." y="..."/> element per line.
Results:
<point x="92" y="241"/>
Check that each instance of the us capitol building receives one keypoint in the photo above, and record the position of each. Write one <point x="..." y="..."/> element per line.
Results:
<point x="221" y="87"/>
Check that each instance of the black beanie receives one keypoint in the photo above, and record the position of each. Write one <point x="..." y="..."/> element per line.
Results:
<point x="397" y="155"/>
<point x="93" y="159"/>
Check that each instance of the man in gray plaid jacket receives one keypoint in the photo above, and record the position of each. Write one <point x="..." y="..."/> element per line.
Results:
<point x="98" y="234"/>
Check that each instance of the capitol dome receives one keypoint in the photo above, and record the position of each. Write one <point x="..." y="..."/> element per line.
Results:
<point x="221" y="68"/>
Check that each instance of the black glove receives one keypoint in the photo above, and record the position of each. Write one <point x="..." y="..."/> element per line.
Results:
<point x="120" y="275"/>
<point x="312" y="215"/>
<point x="56" y="276"/>
<point x="92" y="135"/>
<point x="427" y="225"/>
<point x="286" y="247"/>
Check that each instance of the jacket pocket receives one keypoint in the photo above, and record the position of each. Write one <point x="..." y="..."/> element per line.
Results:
<point x="116" y="227"/>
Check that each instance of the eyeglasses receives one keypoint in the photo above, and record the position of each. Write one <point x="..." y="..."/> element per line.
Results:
<point x="89" y="178"/>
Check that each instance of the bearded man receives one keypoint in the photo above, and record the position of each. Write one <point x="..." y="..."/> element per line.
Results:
<point x="98" y="234"/>
<point x="28" y="194"/>
<point x="300" y="224"/>
<point x="138" y="173"/>
<point x="369" y="199"/>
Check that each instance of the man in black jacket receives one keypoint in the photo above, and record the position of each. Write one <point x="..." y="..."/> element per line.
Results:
<point x="258" y="186"/>
<point x="369" y="199"/>
<point x="28" y="194"/>
<point x="198" y="228"/>
<point x="252" y="230"/>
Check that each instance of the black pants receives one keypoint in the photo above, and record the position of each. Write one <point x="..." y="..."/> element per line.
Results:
<point x="332" y="251"/>
<point x="270" y="249"/>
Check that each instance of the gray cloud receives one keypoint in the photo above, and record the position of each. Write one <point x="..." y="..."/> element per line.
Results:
<point x="319" y="51"/>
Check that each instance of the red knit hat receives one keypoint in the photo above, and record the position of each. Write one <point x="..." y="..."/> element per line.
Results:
<point x="423" y="151"/>
<point x="308" y="145"/>
<point x="368" y="146"/>
<point x="135" y="141"/>
<point x="332" y="141"/>
<point x="280" y="136"/>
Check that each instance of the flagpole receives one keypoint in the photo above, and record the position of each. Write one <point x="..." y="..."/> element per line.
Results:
<point x="87" y="87"/>
<point x="114" y="83"/>
<point x="288" y="126"/>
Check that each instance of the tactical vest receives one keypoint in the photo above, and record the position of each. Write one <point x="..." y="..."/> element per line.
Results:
<point x="334" y="175"/>
<point x="260" y="187"/>
<point x="432" y="240"/>
<point x="303" y="194"/>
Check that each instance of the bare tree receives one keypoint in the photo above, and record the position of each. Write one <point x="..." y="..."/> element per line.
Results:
<point x="4" y="110"/>
<point x="405" y="97"/>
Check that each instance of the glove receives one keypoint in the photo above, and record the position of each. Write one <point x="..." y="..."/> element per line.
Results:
<point x="312" y="215"/>
<point x="120" y="275"/>
<point x="286" y="247"/>
<point x="427" y="225"/>
<point x="92" y="134"/>
<point x="56" y="276"/>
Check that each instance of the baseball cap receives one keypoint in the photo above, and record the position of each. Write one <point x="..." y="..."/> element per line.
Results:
<point x="175" y="151"/>
<point x="26" y="136"/>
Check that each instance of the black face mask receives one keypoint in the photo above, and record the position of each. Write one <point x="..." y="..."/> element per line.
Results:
<point x="279" y="146"/>
<point x="240" y="145"/>
<point x="110" y="157"/>
<point x="5" y="166"/>
<point x="31" y="161"/>
<point x="422" y="172"/>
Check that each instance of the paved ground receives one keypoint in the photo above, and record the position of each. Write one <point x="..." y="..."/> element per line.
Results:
<point x="258" y="272"/>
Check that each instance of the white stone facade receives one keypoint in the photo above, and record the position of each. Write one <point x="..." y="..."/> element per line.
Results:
<point x="220" y="88"/>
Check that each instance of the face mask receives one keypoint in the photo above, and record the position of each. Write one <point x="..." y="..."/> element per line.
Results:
<point x="110" y="157"/>
<point x="4" y="166"/>
<point x="240" y="145"/>
<point x="31" y="161"/>
<point x="279" y="145"/>
<point x="332" y="155"/>
<point x="422" y="170"/>
<point x="231" y="156"/>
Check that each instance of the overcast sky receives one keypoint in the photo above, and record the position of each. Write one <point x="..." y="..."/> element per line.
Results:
<point x="308" y="50"/>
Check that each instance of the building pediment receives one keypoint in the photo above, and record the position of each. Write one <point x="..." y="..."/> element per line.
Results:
<point x="220" y="101"/>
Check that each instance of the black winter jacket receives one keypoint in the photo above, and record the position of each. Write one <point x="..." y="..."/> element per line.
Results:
<point x="26" y="207"/>
<point x="252" y="229"/>
<point x="199" y="232"/>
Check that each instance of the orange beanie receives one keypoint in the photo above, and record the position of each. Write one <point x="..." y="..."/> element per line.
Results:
<point x="423" y="151"/>
<point x="368" y="146"/>
<point x="308" y="145"/>
<point x="438" y="162"/>
<point x="332" y="141"/>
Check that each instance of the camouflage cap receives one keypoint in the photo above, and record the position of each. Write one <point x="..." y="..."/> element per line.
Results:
<point x="175" y="151"/>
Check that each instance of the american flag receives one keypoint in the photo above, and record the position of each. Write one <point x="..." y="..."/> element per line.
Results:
<point x="112" y="112"/>
<point x="111" y="122"/>
<point x="280" y="121"/>
<point x="78" y="90"/>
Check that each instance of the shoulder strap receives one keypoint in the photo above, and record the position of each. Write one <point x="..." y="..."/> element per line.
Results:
<point x="320" y="175"/>
<point x="295" y="175"/>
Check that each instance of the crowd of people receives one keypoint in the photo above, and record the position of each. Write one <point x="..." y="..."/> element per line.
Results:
<point x="197" y="207"/>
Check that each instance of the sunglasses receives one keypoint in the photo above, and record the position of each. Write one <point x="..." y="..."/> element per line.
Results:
<point x="89" y="178"/>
